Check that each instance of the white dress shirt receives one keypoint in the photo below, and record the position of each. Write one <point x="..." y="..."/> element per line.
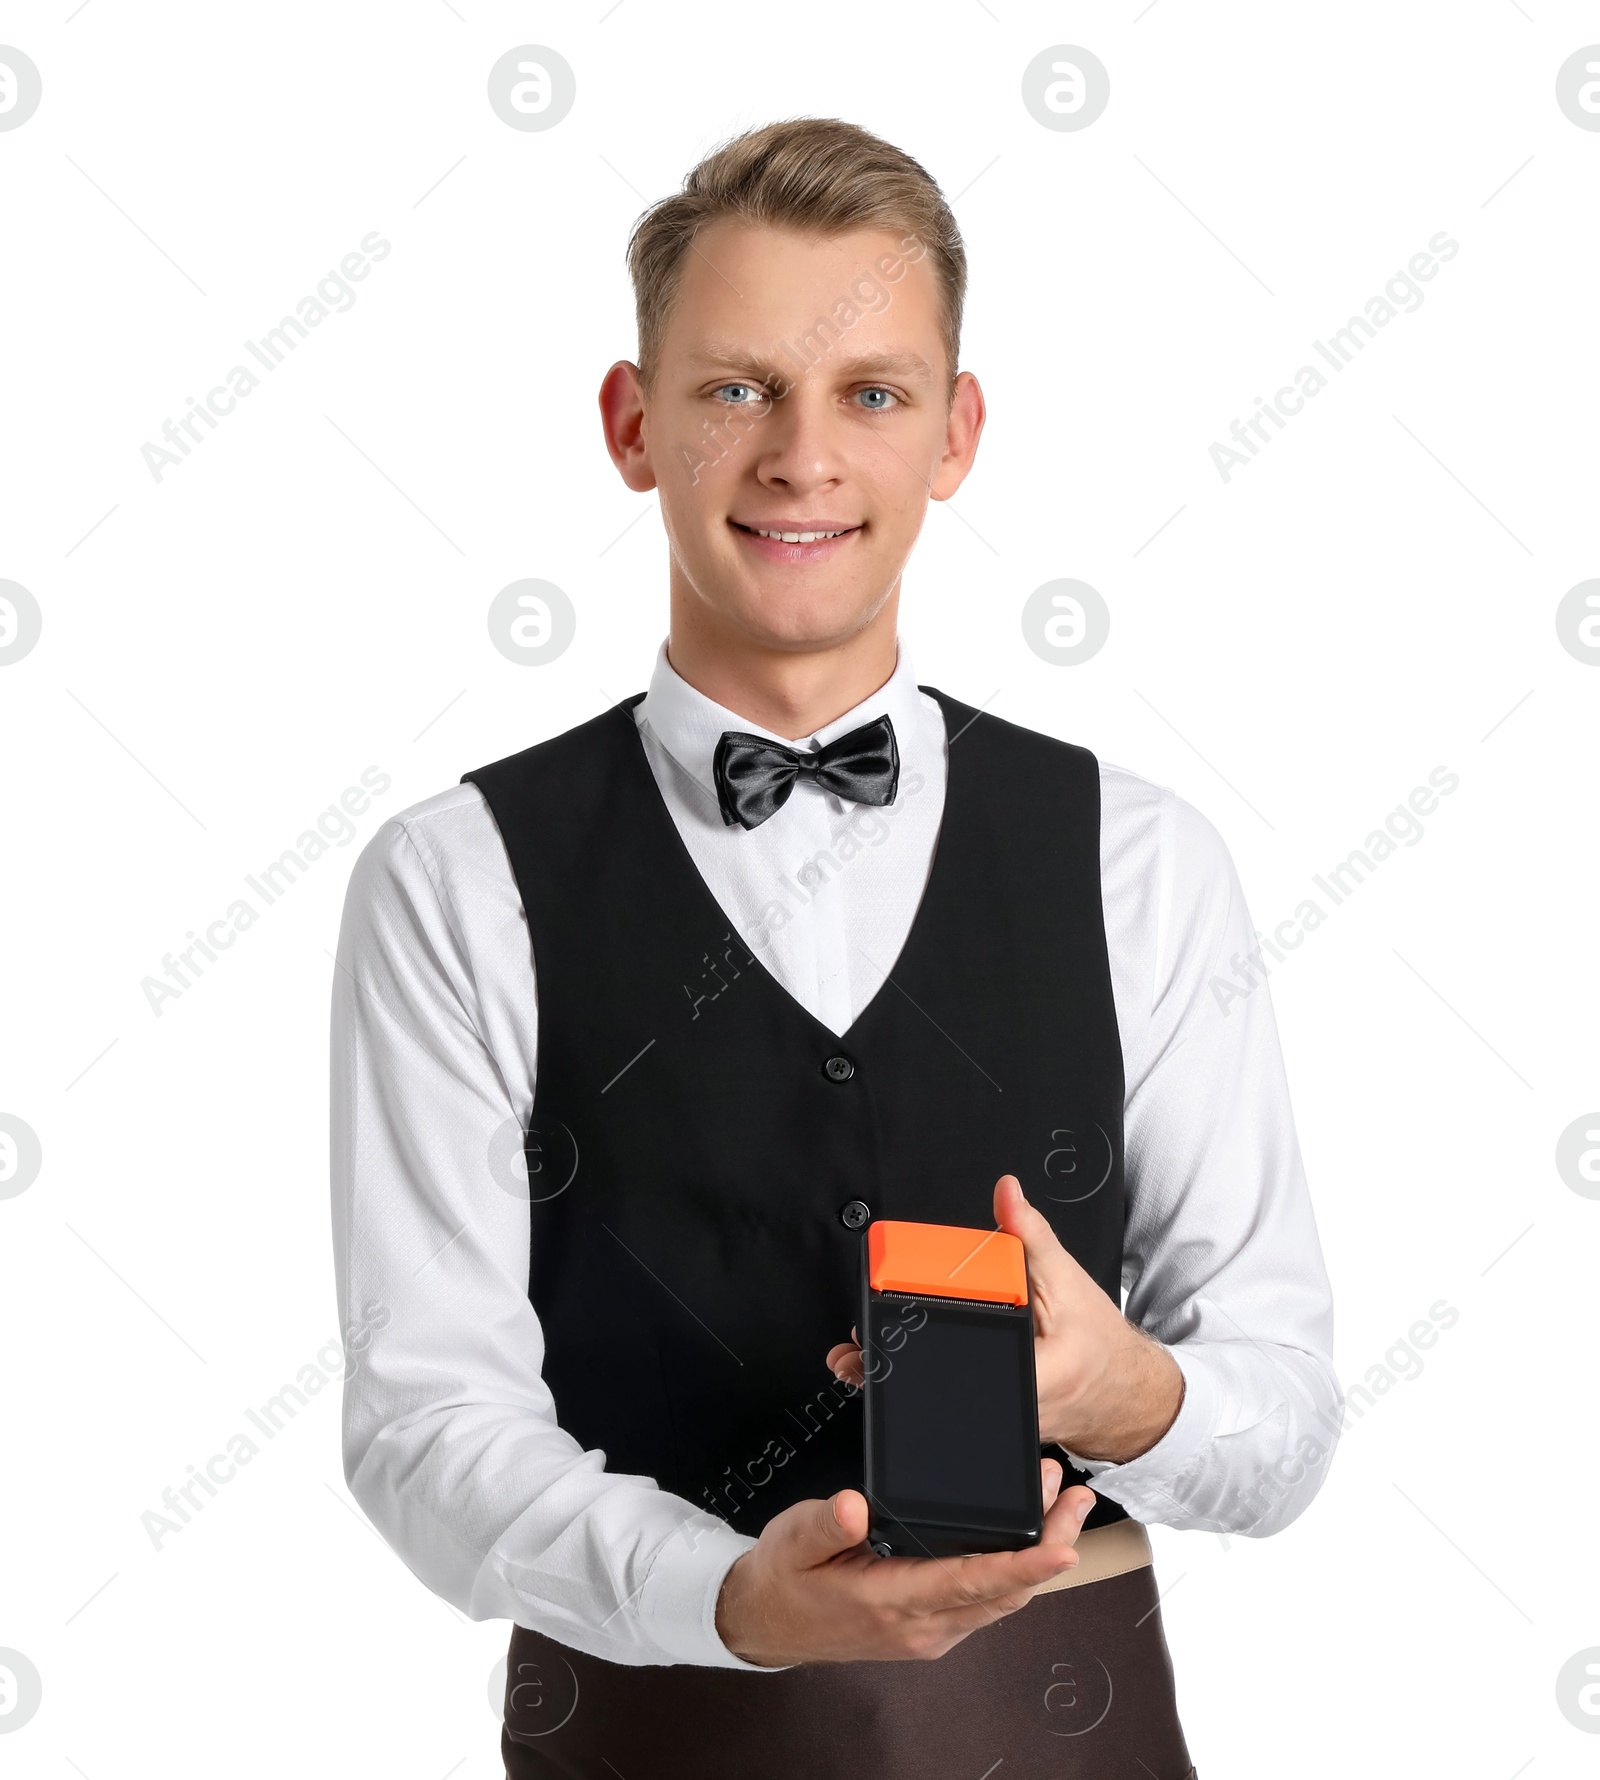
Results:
<point x="451" y="1443"/>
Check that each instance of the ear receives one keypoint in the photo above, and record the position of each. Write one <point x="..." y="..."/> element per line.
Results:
<point x="962" y="430"/>
<point x="622" y="419"/>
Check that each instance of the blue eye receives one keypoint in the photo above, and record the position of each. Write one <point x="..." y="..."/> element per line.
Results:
<point x="879" y="407"/>
<point x="750" y="390"/>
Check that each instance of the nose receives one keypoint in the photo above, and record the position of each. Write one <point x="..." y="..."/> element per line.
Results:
<point x="801" y="447"/>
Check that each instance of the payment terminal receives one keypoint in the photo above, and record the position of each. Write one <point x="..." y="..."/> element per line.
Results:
<point x="952" y="1412"/>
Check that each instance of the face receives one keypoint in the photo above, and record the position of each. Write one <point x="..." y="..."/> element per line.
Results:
<point x="802" y="388"/>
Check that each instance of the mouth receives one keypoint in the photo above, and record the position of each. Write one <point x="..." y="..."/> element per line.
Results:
<point x="796" y="541"/>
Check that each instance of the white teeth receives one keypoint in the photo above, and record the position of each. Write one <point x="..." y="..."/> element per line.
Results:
<point x="795" y="537"/>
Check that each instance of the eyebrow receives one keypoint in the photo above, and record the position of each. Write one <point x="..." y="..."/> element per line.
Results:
<point x="907" y="364"/>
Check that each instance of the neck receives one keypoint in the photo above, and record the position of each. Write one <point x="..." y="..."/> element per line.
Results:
<point x="791" y="690"/>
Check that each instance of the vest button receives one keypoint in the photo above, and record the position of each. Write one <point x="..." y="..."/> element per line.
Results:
<point x="854" y="1214"/>
<point x="838" y="1069"/>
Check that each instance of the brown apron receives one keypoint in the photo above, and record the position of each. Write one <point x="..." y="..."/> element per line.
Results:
<point x="1077" y="1685"/>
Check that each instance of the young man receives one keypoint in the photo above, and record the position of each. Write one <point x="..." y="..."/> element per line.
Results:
<point x="786" y="944"/>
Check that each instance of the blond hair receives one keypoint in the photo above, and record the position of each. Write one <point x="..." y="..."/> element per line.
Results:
<point x="816" y="174"/>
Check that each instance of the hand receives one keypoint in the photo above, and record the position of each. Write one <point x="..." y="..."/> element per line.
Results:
<point x="811" y="1590"/>
<point x="1106" y="1390"/>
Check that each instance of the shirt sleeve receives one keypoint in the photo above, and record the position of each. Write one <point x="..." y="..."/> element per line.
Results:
<point x="1222" y="1262"/>
<point x="450" y="1440"/>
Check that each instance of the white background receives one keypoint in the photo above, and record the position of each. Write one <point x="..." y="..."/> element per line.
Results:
<point x="224" y="651"/>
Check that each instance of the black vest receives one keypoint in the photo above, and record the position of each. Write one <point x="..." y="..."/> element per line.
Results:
<point x="701" y="1147"/>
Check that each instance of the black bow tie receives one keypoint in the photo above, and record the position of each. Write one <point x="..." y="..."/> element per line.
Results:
<point x="754" y="776"/>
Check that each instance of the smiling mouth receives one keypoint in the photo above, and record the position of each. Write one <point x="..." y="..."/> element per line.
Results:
<point x="794" y="535"/>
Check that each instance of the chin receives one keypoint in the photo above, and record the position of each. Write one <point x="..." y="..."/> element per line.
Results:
<point x="785" y="620"/>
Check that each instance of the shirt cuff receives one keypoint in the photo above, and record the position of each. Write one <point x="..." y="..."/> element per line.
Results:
<point x="1150" y="1487"/>
<point x="678" y="1603"/>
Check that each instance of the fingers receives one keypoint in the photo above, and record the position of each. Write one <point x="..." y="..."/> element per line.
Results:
<point x="1064" y="1520"/>
<point x="973" y="1589"/>
<point x="937" y="1585"/>
<point x="844" y="1362"/>
<point x="991" y="1577"/>
<point x="1050" y="1475"/>
<point x="936" y="1633"/>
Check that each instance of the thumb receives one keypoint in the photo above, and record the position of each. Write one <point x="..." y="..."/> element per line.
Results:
<point x="1017" y="1217"/>
<point x="834" y="1524"/>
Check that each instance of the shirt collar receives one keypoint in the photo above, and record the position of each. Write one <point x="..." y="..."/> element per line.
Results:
<point x="689" y="725"/>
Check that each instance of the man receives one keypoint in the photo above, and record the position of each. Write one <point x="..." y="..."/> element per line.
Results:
<point x="785" y="945"/>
